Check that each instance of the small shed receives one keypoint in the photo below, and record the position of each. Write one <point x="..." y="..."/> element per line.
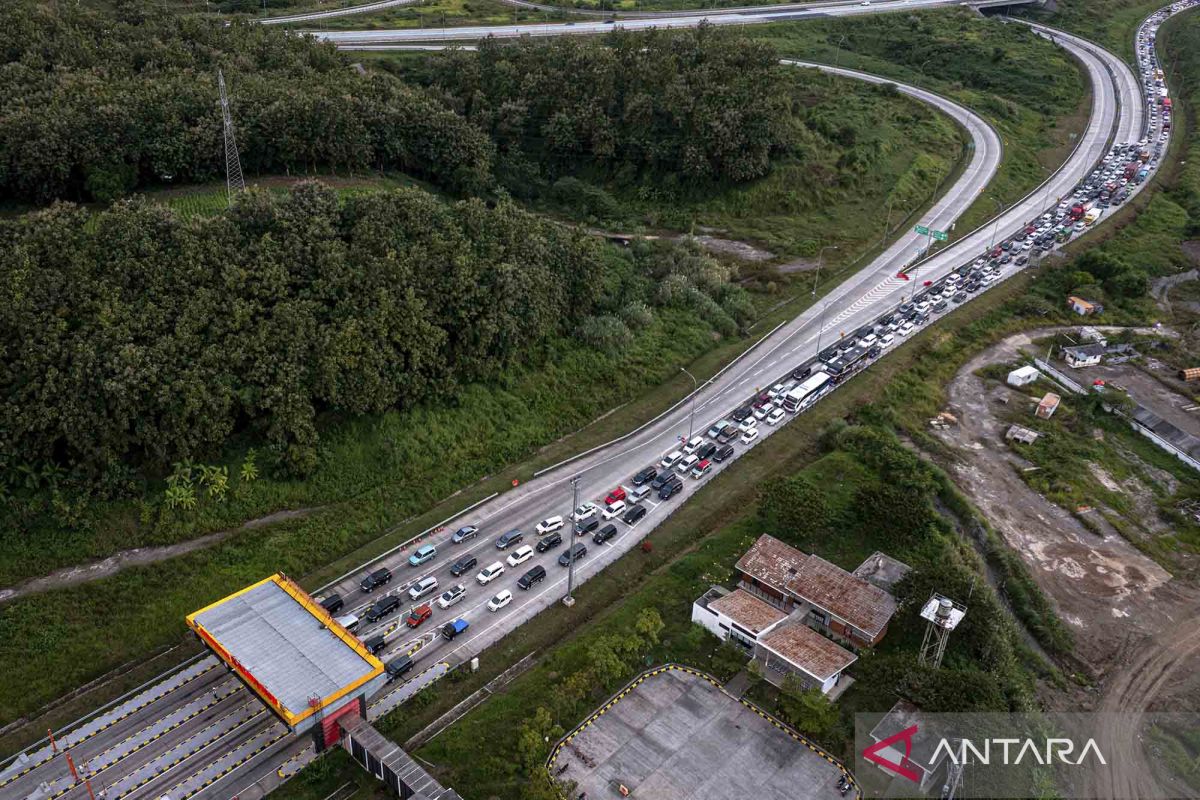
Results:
<point x="1048" y="405"/>
<point x="1084" y="308"/>
<point x="1023" y="376"/>
<point x="1190" y="374"/>
<point x="1021" y="434"/>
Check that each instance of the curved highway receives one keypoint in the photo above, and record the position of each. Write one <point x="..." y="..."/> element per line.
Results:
<point x="196" y="733"/>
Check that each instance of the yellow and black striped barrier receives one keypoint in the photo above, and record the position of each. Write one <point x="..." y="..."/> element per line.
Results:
<point x="230" y="768"/>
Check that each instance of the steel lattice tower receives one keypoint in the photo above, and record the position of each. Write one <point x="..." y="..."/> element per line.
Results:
<point x="233" y="165"/>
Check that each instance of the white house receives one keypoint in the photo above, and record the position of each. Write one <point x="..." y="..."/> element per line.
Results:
<point x="1084" y="355"/>
<point x="1023" y="376"/>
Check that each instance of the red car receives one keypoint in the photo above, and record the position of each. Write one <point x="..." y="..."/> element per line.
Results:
<point x="418" y="615"/>
<point x="615" y="495"/>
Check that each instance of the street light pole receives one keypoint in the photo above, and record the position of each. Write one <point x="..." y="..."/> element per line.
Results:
<point x="817" y="275"/>
<point x="569" y="600"/>
<point x="695" y="390"/>
<point x="999" y="211"/>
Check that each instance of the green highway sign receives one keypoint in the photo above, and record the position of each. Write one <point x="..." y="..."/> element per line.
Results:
<point x="921" y="229"/>
<point x="940" y="236"/>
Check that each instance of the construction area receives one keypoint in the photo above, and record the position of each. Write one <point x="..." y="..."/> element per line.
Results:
<point x="676" y="736"/>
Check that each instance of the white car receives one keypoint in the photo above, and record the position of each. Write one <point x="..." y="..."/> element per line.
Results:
<point x="748" y="424"/>
<point x="749" y="436"/>
<point x="887" y="340"/>
<point x="907" y="328"/>
<point x="923" y="306"/>
<point x="776" y="391"/>
<point x="687" y="463"/>
<point x="452" y="596"/>
<point x="613" y="509"/>
<point x="694" y="444"/>
<point x="717" y="427"/>
<point x="490" y="573"/>
<point x="520" y="555"/>
<point x="776" y="416"/>
<point x="549" y="525"/>
<point x="500" y="600"/>
<point x="761" y="412"/>
<point x="586" y="510"/>
<point x="670" y="459"/>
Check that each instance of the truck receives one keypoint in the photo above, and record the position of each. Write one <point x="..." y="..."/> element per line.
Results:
<point x="793" y="399"/>
<point x="1131" y="170"/>
<point x="452" y="629"/>
<point x="1077" y="211"/>
<point x="1091" y="216"/>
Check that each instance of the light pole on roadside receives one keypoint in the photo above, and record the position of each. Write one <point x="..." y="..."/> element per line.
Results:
<point x="996" y="225"/>
<point x="569" y="600"/>
<point x="695" y="390"/>
<point x="817" y="274"/>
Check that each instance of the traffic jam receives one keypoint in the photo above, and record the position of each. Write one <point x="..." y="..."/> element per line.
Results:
<point x="489" y="570"/>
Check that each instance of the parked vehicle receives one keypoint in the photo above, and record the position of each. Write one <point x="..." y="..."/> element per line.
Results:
<point x="549" y="525"/>
<point x="644" y="476"/>
<point x="775" y="417"/>
<point x="605" y="533"/>
<point x="724" y="452"/>
<point x="633" y="515"/>
<point x="380" y="577"/>
<point x="703" y="467"/>
<point x="535" y="575"/>
<point x="586" y="509"/>
<point x="671" y="489"/>
<point x="614" y="509"/>
<point x="549" y="542"/>
<point x="693" y="445"/>
<point x="587" y="526"/>
<point x="578" y="550"/>
<point x="670" y="459"/>
<point x="749" y="436"/>
<point x="639" y="494"/>
<point x="615" y="495"/>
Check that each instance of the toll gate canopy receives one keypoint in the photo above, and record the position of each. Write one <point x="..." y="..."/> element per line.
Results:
<point x="286" y="648"/>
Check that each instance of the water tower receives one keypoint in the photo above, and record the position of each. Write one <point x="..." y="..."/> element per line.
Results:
<point x="942" y="615"/>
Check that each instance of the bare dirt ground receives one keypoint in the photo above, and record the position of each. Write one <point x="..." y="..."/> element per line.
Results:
<point x="1137" y="627"/>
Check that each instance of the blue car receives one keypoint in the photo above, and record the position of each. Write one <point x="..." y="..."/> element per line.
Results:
<point x="425" y="552"/>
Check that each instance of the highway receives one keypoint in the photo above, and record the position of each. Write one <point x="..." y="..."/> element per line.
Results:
<point x="198" y="733"/>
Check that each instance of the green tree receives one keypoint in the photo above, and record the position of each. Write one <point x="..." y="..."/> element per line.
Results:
<point x="807" y="710"/>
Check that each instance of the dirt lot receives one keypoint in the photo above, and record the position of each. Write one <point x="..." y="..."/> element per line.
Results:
<point x="1137" y="627"/>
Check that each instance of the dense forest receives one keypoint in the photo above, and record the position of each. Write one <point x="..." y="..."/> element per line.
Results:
<point x="131" y="338"/>
<point x="699" y="103"/>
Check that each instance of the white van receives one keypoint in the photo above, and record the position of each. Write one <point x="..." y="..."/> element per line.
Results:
<point x="638" y="493"/>
<point x="423" y="587"/>
<point x="347" y="621"/>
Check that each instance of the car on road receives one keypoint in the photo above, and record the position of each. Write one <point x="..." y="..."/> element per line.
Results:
<point x="906" y="328"/>
<point x="777" y="390"/>
<point x="702" y="468"/>
<point x="707" y="451"/>
<point x="548" y="542"/>
<point x="727" y="434"/>
<point x="452" y="629"/>
<point x="380" y="577"/>
<point x="348" y="621"/>
<point x="742" y="412"/>
<point x="661" y="480"/>
<point x="615" y="495"/>
<point x="398" y="667"/>
<point x="693" y="445"/>
<point x="605" y="533"/>
<point x="464" y="533"/>
<point x="802" y="372"/>
<point x="502" y="598"/>
<point x="549" y="525"/>
<point x="424" y="554"/>
<point x="749" y="436"/>
<point x="686" y="464"/>
<point x="586" y="510"/>
<point x="761" y="413"/>
<point x="418" y="615"/>
<point x="333" y="603"/>
<point x="463" y="565"/>
<point x="375" y="643"/>
<point x="715" y="430"/>
<point x="639" y="494"/>
<point x="490" y="573"/>
<point x="747" y="425"/>
<point x="587" y="526"/>
<point x="535" y="575"/>
<point x="507" y="540"/>
<point x="724" y="452"/>
<point x="382" y="608"/>
<point x="670" y="459"/>
<point x="776" y="416"/>
<point x="671" y="489"/>
<point x="634" y="514"/>
<point x="520" y="555"/>
<point x="423" y="587"/>
<point x="614" y="509"/>
<point x="451" y="596"/>
<point x="578" y="550"/>
<point x="645" y="476"/>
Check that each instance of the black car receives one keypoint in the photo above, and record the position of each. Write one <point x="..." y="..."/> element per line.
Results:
<point x="661" y="481"/>
<point x="671" y="489"/>
<point x="398" y="666"/>
<point x="741" y="413"/>
<point x="380" y="577"/>
<point x="723" y="453"/>
<point x="579" y="550"/>
<point x="605" y="533"/>
<point x="587" y="526"/>
<point x="706" y="450"/>
<point x="464" y="564"/>
<point x="535" y="575"/>
<point x="375" y="643"/>
<point x="829" y="353"/>
<point x="547" y="542"/>
<point x="384" y="607"/>
<point x="333" y="603"/>
<point x="960" y="297"/>
<point x="645" y="476"/>
<point x="507" y="540"/>
<point x="972" y="287"/>
<point x="801" y="373"/>
<point x="874" y="352"/>
<point x="633" y="515"/>
<point x="939" y="306"/>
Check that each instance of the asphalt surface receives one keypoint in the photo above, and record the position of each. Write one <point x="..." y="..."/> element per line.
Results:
<point x="197" y="734"/>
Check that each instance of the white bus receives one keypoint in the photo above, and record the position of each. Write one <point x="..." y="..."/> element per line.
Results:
<point x="793" y="399"/>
